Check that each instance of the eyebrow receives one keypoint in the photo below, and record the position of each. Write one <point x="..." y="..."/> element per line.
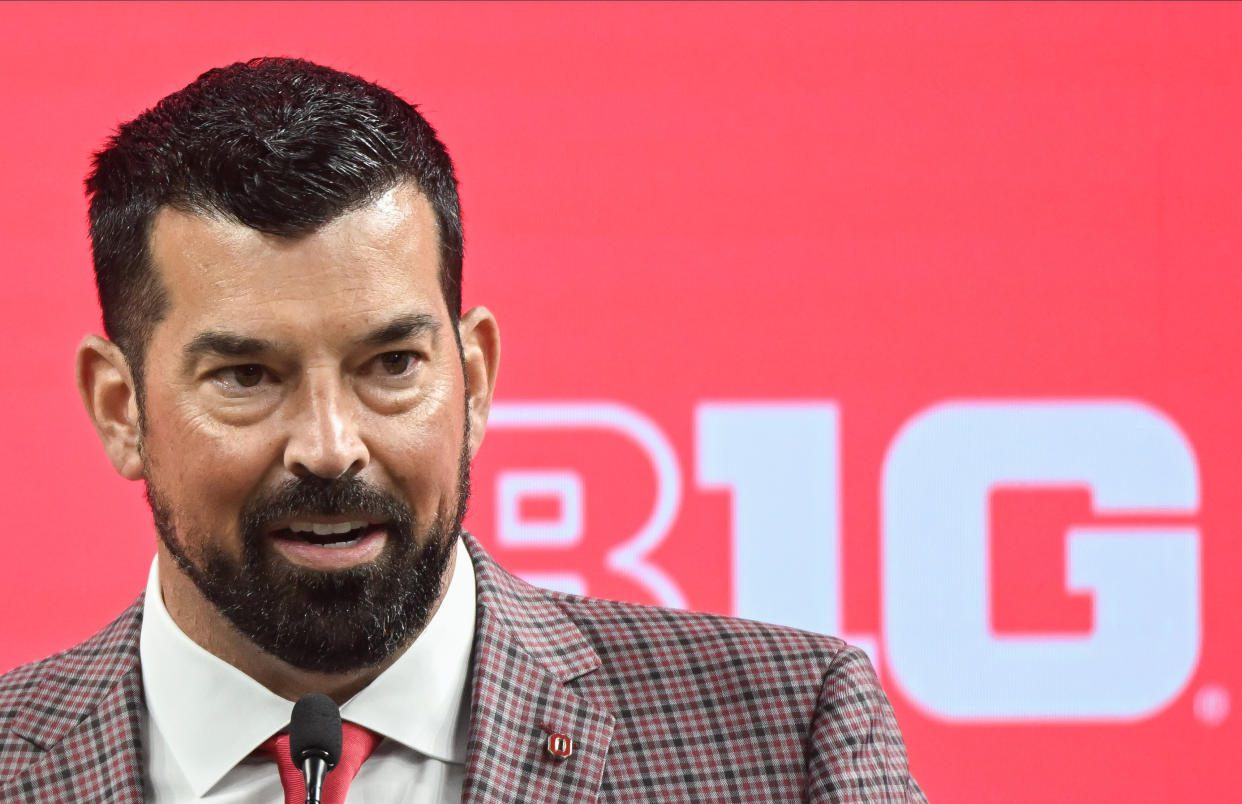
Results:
<point x="400" y="328"/>
<point x="227" y="344"/>
<point x="230" y="344"/>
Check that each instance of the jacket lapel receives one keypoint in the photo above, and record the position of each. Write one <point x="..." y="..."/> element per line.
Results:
<point x="85" y="716"/>
<point x="526" y="652"/>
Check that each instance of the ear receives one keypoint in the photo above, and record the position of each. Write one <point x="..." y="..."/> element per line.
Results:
<point x="108" y="392"/>
<point x="480" y="345"/>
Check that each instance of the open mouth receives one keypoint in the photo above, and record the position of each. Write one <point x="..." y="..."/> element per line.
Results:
<point x="337" y="535"/>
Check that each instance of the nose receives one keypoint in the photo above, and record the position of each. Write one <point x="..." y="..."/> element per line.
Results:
<point x="324" y="440"/>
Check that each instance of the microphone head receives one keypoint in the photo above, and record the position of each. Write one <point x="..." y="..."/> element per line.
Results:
<point x="315" y="729"/>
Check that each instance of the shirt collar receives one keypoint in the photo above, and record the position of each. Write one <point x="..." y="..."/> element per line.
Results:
<point x="212" y="715"/>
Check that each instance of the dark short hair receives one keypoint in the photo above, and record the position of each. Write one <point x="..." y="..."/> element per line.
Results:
<point x="280" y="145"/>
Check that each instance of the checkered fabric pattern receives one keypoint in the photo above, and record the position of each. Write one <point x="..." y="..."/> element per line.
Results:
<point x="70" y="725"/>
<point x="669" y="706"/>
<point x="660" y="706"/>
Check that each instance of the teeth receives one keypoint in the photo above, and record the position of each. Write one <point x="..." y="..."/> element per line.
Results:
<point x="338" y="545"/>
<point x="324" y="528"/>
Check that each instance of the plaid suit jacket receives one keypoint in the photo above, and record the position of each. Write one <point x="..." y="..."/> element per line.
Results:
<point x="661" y="706"/>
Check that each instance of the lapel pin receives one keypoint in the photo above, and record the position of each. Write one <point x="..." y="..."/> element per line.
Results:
<point x="559" y="745"/>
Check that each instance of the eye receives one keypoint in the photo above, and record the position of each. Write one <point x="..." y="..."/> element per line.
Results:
<point x="245" y="376"/>
<point x="396" y="364"/>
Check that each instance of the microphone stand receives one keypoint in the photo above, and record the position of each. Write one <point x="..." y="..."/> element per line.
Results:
<point x="314" y="769"/>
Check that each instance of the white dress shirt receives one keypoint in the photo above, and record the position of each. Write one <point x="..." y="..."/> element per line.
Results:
<point x="205" y="717"/>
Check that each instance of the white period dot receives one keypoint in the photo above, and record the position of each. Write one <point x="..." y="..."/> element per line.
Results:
<point x="1212" y="704"/>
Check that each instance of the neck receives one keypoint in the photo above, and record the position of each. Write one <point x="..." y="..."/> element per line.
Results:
<point x="202" y="622"/>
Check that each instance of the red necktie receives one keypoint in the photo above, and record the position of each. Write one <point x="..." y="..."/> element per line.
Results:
<point x="357" y="744"/>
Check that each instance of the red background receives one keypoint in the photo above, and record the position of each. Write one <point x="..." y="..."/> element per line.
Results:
<point x="884" y="206"/>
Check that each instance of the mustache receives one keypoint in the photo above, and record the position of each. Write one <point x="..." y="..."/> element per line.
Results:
<point x="314" y="496"/>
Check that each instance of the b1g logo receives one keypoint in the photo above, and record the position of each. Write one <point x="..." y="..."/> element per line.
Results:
<point x="780" y="466"/>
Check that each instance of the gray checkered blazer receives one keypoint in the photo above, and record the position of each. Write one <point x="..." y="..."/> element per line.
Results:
<point x="661" y="706"/>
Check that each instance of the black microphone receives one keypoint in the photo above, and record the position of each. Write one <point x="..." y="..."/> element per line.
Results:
<point x="315" y="740"/>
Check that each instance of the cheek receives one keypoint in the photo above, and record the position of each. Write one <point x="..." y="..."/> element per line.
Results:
<point x="207" y="471"/>
<point x="421" y="458"/>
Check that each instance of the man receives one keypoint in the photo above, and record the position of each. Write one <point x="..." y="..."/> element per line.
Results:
<point x="278" y="253"/>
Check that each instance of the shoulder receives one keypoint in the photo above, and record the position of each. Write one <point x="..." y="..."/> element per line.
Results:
<point x="705" y="659"/>
<point x="676" y="635"/>
<point x="63" y="683"/>
<point x="621" y="643"/>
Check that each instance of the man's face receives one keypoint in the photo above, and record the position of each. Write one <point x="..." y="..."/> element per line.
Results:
<point x="305" y="434"/>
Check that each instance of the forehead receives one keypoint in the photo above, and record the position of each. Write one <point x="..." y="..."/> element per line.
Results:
<point x="355" y="267"/>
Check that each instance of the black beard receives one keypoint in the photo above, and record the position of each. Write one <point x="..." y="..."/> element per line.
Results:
<point x="324" y="621"/>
